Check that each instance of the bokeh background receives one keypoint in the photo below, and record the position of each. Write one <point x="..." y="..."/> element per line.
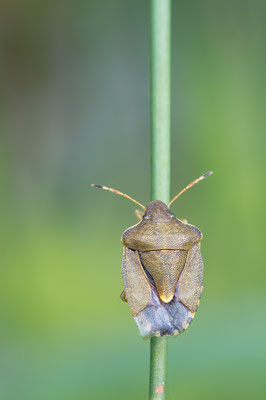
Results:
<point x="75" y="111"/>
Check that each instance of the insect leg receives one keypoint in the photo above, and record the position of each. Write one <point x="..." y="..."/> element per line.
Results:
<point x="139" y="214"/>
<point x="183" y="220"/>
<point x="123" y="296"/>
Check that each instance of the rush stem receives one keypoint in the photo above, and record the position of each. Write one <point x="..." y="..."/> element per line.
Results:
<point x="160" y="44"/>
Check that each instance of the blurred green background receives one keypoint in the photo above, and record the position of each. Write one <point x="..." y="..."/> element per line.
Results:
<point x="75" y="111"/>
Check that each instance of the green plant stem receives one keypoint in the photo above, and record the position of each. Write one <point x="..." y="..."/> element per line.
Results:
<point x="160" y="38"/>
<point x="160" y="42"/>
<point x="158" y="367"/>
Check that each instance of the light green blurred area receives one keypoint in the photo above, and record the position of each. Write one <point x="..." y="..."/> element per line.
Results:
<point x="75" y="111"/>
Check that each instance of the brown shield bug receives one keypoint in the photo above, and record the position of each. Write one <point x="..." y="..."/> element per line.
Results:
<point x="162" y="268"/>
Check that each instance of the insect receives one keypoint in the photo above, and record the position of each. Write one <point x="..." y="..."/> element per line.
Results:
<point x="162" y="268"/>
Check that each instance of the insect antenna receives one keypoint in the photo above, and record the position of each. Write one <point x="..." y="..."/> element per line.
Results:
<point x="117" y="192"/>
<point x="190" y="185"/>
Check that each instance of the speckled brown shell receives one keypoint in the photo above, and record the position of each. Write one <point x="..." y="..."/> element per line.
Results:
<point x="162" y="271"/>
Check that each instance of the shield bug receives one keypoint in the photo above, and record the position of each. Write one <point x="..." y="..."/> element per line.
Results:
<point x="162" y="268"/>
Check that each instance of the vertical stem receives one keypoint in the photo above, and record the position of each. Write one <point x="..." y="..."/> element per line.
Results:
<point x="160" y="42"/>
<point x="160" y="38"/>
<point x="158" y="366"/>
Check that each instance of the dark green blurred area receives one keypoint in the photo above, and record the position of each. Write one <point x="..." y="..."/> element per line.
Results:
<point x="75" y="111"/>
